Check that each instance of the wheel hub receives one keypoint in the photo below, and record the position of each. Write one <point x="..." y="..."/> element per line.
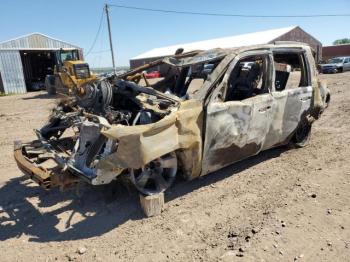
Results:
<point x="156" y="176"/>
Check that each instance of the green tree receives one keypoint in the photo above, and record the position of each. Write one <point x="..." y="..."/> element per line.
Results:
<point x="342" y="41"/>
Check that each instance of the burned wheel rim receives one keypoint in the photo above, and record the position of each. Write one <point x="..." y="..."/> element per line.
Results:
<point x="156" y="176"/>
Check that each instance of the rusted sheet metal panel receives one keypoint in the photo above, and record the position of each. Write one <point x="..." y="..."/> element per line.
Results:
<point x="12" y="71"/>
<point x="36" y="41"/>
<point x="39" y="175"/>
<point x="42" y="173"/>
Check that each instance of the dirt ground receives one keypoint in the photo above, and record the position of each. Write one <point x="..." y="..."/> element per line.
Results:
<point x="282" y="205"/>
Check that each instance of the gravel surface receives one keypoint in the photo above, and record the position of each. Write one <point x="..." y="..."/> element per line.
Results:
<point x="282" y="205"/>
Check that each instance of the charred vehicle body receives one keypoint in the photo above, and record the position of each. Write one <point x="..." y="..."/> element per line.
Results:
<point x="253" y="98"/>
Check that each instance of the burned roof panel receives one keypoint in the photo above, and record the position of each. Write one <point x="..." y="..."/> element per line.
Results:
<point x="203" y="57"/>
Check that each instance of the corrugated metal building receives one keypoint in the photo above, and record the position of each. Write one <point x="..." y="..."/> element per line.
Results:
<point x="25" y="61"/>
<point x="293" y="33"/>
<point x="335" y="50"/>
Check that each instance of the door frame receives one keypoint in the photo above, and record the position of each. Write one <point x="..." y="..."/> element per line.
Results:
<point x="299" y="98"/>
<point x="220" y="92"/>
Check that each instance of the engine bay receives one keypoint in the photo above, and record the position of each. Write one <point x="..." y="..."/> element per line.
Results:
<point x="72" y="136"/>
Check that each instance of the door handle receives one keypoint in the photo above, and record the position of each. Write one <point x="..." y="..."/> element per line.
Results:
<point x="264" y="109"/>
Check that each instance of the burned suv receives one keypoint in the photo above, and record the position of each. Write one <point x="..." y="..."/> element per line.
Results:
<point x="125" y="127"/>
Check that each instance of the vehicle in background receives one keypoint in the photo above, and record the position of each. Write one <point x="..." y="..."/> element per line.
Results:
<point x="207" y="69"/>
<point x="201" y="70"/>
<point x="152" y="74"/>
<point x="335" y="65"/>
<point x="69" y="73"/>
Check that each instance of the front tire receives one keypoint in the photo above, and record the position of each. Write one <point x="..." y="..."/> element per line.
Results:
<point x="156" y="176"/>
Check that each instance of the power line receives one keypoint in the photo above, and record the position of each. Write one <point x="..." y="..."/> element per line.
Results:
<point x="97" y="34"/>
<point x="100" y="51"/>
<point x="226" y="15"/>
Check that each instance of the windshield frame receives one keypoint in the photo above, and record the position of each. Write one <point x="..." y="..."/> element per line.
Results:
<point x="63" y="55"/>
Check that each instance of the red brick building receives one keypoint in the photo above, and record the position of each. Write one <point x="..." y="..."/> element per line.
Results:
<point x="335" y="50"/>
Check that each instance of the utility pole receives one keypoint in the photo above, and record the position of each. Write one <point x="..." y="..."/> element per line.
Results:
<point x="110" y="35"/>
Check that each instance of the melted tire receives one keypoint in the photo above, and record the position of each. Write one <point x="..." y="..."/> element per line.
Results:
<point x="302" y="135"/>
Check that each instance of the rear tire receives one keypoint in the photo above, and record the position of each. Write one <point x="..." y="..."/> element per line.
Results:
<point x="328" y="99"/>
<point x="302" y="135"/>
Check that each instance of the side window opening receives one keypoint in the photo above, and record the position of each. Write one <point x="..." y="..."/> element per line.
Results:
<point x="290" y="71"/>
<point x="192" y="78"/>
<point x="183" y="81"/>
<point x="248" y="78"/>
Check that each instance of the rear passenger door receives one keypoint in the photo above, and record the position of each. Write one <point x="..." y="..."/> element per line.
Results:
<point x="292" y="93"/>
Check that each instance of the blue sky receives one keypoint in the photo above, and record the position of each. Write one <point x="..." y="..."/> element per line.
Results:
<point x="134" y="32"/>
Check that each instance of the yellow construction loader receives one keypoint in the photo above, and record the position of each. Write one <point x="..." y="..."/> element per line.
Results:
<point x="70" y="73"/>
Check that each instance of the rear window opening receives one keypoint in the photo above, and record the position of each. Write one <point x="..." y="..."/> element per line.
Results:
<point x="290" y="71"/>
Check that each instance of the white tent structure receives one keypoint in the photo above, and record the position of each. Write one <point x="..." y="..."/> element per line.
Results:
<point x="292" y="33"/>
<point x="262" y="37"/>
